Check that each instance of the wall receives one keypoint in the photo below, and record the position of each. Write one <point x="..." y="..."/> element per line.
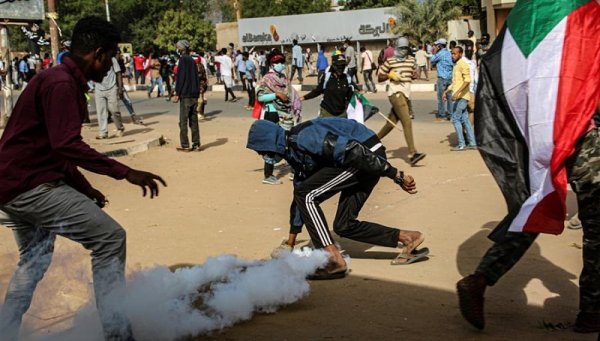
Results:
<point x="227" y="33"/>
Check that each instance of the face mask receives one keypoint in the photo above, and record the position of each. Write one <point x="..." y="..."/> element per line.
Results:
<point x="279" y="67"/>
<point x="338" y="69"/>
<point x="401" y="53"/>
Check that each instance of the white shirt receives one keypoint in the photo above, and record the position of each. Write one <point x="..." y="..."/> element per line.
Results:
<point x="226" y="65"/>
<point x="474" y="74"/>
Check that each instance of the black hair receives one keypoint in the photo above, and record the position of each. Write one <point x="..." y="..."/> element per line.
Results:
<point x="362" y="49"/>
<point x="452" y="44"/>
<point x="223" y="51"/>
<point x="245" y="54"/>
<point x="347" y="41"/>
<point x="459" y="48"/>
<point x="295" y="42"/>
<point x="201" y="53"/>
<point x="273" y="53"/>
<point x="93" y="32"/>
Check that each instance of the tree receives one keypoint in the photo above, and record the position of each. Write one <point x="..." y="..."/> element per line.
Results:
<point x="424" y="20"/>
<point x="261" y="8"/>
<point x="177" y="25"/>
<point x="364" y="4"/>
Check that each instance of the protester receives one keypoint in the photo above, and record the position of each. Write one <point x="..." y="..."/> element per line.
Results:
<point x="128" y="64"/>
<point x="281" y="105"/>
<point x="138" y="62"/>
<point x="107" y="94"/>
<point x="240" y="67"/>
<point x="400" y="70"/>
<point x="250" y="76"/>
<point x="461" y="79"/>
<point x="203" y="84"/>
<point x="350" y="61"/>
<point x="262" y="62"/>
<point x="166" y="72"/>
<point x="155" y="78"/>
<point x="226" y="69"/>
<point x="65" y="47"/>
<point x="337" y="89"/>
<point x="421" y="58"/>
<point x="322" y="64"/>
<point x="187" y="90"/>
<point x="125" y="97"/>
<point x="468" y="58"/>
<point x="309" y="61"/>
<point x="442" y="60"/>
<point x="297" y="61"/>
<point x="367" y="69"/>
<point x="43" y="194"/>
<point x="351" y="163"/>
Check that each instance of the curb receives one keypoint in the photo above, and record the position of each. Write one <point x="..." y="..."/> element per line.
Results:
<point x="137" y="148"/>
<point x="307" y="87"/>
<point x="299" y="87"/>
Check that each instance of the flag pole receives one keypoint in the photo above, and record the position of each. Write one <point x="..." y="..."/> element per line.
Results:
<point x="389" y="121"/>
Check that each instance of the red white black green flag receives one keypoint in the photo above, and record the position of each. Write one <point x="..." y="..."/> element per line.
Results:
<point x="539" y="87"/>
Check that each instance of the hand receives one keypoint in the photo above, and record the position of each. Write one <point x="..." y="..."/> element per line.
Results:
<point x="175" y="99"/>
<point x="454" y="97"/>
<point x="145" y="179"/>
<point x="98" y="198"/>
<point x="444" y="96"/>
<point x="409" y="185"/>
<point x="283" y="97"/>
<point x="120" y="93"/>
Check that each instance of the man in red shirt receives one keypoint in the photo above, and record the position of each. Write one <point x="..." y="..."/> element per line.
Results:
<point x="138" y="63"/>
<point x="42" y="192"/>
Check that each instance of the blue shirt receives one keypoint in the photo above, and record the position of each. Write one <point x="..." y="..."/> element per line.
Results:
<point x="23" y="67"/>
<point x="250" y="69"/>
<point x="443" y="62"/>
<point x="240" y="64"/>
<point x="297" y="57"/>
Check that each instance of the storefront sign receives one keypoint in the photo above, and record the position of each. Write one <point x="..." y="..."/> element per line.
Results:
<point x="361" y="25"/>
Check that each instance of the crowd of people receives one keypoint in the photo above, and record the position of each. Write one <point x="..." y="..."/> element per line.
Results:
<point x="43" y="194"/>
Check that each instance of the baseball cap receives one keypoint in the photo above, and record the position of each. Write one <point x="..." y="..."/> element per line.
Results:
<point x="441" y="41"/>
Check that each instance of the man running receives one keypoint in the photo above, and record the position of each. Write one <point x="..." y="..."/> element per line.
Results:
<point x="43" y="194"/>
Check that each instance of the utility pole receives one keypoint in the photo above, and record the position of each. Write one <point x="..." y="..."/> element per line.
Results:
<point x="7" y="90"/>
<point x="238" y="10"/>
<point x="52" y="16"/>
<point x="107" y="10"/>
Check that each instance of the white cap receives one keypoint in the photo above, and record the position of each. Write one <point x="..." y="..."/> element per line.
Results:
<point x="441" y="41"/>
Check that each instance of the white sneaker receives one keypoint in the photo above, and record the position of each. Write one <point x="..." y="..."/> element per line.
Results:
<point x="272" y="180"/>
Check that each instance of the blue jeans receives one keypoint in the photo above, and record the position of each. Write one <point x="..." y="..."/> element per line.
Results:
<point x="36" y="217"/>
<point x="442" y="85"/>
<point x="156" y="81"/>
<point x="460" y="118"/>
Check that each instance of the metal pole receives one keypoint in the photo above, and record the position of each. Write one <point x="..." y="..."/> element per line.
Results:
<point x="8" y="94"/>
<point x="107" y="10"/>
<point x="52" y="16"/>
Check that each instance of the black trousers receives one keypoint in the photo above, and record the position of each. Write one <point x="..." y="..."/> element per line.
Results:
<point x="188" y="116"/>
<point x="251" y="93"/>
<point x="354" y="188"/>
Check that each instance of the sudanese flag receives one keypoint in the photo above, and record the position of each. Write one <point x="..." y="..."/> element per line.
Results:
<point x="538" y="89"/>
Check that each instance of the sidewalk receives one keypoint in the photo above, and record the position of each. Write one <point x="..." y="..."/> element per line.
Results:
<point x="310" y="82"/>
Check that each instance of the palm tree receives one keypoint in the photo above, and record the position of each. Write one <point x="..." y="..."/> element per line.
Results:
<point x="424" y="20"/>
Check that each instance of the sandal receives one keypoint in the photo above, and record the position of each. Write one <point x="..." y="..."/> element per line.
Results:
<point x="322" y="275"/>
<point x="413" y="257"/>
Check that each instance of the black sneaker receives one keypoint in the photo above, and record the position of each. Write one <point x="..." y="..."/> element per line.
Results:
<point x="416" y="158"/>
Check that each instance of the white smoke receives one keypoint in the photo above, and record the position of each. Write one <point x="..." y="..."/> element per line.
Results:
<point x="165" y="305"/>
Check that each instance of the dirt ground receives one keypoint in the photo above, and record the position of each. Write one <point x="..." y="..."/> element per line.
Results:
<point x="215" y="203"/>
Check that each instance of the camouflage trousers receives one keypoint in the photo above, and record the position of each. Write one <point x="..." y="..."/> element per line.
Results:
<point x="583" y="169"/>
